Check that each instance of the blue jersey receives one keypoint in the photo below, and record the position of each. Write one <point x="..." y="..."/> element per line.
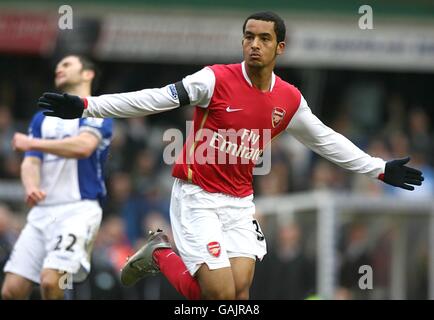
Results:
<point x="68" y="179"/>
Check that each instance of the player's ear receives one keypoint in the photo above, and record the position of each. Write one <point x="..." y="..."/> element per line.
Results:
<point x="88" y="75"/>
<point x="280" y="47"/>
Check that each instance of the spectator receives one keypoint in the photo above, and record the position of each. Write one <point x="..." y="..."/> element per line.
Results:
<point x="355" y="254"/>
<point x="9" y="160"/>
<point x="7" y="236"/>
<point x="287" y="273"/>
<point x="419" y="135"/>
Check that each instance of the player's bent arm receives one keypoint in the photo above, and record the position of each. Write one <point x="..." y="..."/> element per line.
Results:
<point x="80" y="146"/>
<point x="31" y="173"/>
<point x="310" y="131"/>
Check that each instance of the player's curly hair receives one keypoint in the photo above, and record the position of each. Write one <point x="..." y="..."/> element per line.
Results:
<point x="279" y="24"/>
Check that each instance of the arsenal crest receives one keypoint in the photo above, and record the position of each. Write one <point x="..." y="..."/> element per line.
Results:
<point x="277" y="116"/>
<point x="214" y="248"/>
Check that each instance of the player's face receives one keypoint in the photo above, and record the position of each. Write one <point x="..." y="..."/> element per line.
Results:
<point x="69" y="72"/>
<point x="260" y="45"/>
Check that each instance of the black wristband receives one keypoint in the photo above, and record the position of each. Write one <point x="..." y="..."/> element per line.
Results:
<point x="184" y="100"/>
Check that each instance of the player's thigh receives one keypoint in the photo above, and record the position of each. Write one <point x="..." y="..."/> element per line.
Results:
<point x="243" y="270"/>
<point x="16" y="287"/>
<point x="217" y="284"/>
<point x="28" y="254"/>
<point x="70" y="240"/>
<point x="197" y="230"/>
<point x="245" y="243"/>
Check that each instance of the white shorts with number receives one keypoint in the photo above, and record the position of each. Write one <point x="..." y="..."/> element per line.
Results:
<point x="56" y="237"/>
<point x="213" y="227"/>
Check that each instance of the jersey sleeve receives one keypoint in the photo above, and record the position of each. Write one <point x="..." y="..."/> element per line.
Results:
<point x="101" y="128"/>
<point x="35" y="131"/>
<point x="199" y="87"/>
<point x="310" y="131"/>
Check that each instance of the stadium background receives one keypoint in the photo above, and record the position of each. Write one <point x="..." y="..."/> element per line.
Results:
<point x="373" y="86"/>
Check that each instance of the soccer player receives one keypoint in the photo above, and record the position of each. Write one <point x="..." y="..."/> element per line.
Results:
<point x="62" y="174"/>
<point x="239" y="108"/>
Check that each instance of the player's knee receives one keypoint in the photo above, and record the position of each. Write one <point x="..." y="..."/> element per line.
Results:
<point x="7" y="294"/>
<point x="50" y="287"/>
<point x="242" y="295"/>
<point x="11" y="293"/>
<point x="226" y="293"/>
<point x="243" y="290"/>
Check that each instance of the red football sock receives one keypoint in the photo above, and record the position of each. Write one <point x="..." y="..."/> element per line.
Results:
<point x="172" y="266"/>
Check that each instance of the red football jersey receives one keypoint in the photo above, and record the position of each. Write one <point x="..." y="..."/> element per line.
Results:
<point x="230" y="135"/>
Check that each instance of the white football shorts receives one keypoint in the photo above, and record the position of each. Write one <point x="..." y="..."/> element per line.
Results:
<point x="213" y="227"/>
<point x="56" y="237"/>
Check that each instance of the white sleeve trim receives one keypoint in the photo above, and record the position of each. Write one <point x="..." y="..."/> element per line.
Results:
<point x="91" y="130"/>
<point x="310" y="131"/>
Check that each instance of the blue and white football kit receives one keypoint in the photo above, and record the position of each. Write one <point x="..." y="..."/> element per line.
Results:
<point x="60" y="230"/>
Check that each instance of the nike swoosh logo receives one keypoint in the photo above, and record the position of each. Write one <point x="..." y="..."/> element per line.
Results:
<point x="228" y="109"/>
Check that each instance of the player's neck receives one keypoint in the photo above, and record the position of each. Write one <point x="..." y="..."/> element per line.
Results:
<point x="260" y="77"/>
<point x="81" y="91"/>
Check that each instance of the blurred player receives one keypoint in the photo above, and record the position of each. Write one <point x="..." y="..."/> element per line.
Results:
<point x="212" y="210"/>
<point x="62" y="174"/>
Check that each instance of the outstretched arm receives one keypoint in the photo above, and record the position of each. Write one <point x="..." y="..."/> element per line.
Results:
<point x="195" y="89"/>
<point x="310" y="131"/>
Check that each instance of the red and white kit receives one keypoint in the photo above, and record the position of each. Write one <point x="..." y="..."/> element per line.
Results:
<point x="212" y="210"/>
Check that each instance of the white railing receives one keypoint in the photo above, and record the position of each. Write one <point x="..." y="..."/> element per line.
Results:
<point x="329" y="207"/>
<point x="11" y="191"/>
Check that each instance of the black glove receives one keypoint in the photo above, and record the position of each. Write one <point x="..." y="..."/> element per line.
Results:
<point x="399" y="175"/>
<point x="64" y="106"/>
